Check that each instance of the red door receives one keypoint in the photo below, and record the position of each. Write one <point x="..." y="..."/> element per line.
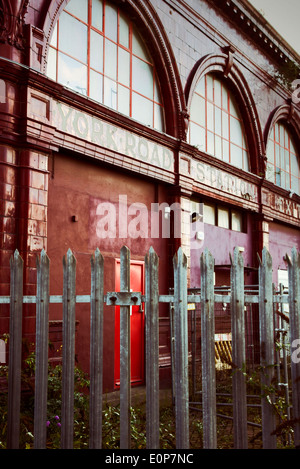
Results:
<point x="137" y="325"/>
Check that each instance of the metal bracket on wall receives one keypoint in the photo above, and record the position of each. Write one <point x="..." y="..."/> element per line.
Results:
<point x="123" y="298"/>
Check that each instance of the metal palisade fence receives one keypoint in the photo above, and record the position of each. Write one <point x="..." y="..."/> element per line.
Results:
<point x="179" y="299"/>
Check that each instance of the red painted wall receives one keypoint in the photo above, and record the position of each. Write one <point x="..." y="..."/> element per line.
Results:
<point x="73" y="189"/>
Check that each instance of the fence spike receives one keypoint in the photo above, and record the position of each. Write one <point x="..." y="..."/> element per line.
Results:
<point x="96" y="349"/>
<point x="42" y="343"/>
<point x="267" y="361"/>
<point x="265" y="299"/>
<point x="15" y="350"/>
<point x="125" y="378"/>
<point x="238" y="351"/>
<point x="152" y="348"/>
<point x="181" y="349"/>
<point x="208" y="351"/>
<point x="294" y="314"/>
<point x="68" y="363"/>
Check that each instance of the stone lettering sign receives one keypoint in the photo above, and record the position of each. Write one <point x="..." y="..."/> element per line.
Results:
<point x="224" y="181"/>
<point x="281" y="204"/>
<point x="99" y="132"/>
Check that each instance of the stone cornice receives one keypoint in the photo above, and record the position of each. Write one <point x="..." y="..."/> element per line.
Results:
<point x="257" y="27"/>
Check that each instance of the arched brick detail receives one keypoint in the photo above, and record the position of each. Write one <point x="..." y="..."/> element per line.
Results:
<point x="288" y="114"/>
<point x="153" y="32"/>
<point x="224" y="65"/>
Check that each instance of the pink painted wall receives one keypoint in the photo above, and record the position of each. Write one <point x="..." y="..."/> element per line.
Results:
<point x="220" y="242"/>
<point x="281" y="241"/>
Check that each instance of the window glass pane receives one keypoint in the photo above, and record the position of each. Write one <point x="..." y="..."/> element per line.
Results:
<point x="209" y="87"/>
<point x="123" y="31"/>
<point x="218" y="121"/>
<point x="72" y="74"/>
<point x="200" y="89"/>
<point x="51" y="66"/>
<point x="285" y="183"/>
<point x="224" y="98"/>
<point x="110" y="93"/>
<point x="218" y="147"/>
<point x="157" y="94"/>
<point x="286" y="160"/>
<point x="124" y="67"/>
<point x="73" y="44"/>
<point x="142" y="109"/>
<point x="96" y="86"/>
<point x="277" y="155"/>
<point x="278" y="176"/>
<point x="138" y="47"/>
<point x="292" y="148"/>
<point x="281" y="135"/>
<point x="197" y="136"/>
<point x="158" y="117"/>
<point x="223" y="218"/>
<point x="270" y="151"/>
<point x="233" y="107"/>
<point x="198" y="109"/>
<point x="97" y="14"/>
<point x="142" y="77"/>
<point x="246" y="166"/>
<point x="295" y="185"/>
<point x="276" y="130"/>
<point x="236" y="221"/>
<point x="209" y="214"/>
<point x="294" y="165"/>
<point x="225" y="126"/>
<point x="217" y="93"/>
<point x="236" y="135"/>
<point x="225" y="145"/>
<point x="111" y="22"/>
<point x="110" y="66"/>
<point x="96" y="51"/>
<point x="53" y="41"/>
<point x="236" y="156"/>
<point x="123" y="100"/>
<point x="210" y="143"/>
<point x="78" y="8"/>
<point x="210" y="116"/>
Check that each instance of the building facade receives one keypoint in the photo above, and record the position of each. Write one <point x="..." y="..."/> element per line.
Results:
<point x="113" y="114"/>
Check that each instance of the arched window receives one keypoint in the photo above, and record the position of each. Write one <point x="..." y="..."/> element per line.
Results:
<point x="97" y="51"/>
<point x="216" y="126"/>
<point x="283" y="167"/>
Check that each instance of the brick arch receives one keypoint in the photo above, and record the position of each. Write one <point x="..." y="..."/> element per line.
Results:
<point x="224" y="66"/>
<point x="153" y="32"/>
<point x="290" y="116"/>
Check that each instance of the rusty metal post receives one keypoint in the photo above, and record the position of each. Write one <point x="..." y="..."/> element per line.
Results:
<point x="208" y="351"/>
<point x="152" y="349"/>
<point x="96" y="350"/>
<point x="267" y="359"/>
<point x="41" y="351"/>
<point x="125" y="378"/>
<point x="238" y="351"/>
<point x="68" y="359"/>
<point x="15" y="351"/>
<point x="181" y="350"/>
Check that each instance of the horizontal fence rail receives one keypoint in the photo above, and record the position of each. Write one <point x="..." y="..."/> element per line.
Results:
<point x="238" y="296"/>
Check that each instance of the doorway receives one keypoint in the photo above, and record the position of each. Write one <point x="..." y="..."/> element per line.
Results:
<point x="137" y="327"/>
